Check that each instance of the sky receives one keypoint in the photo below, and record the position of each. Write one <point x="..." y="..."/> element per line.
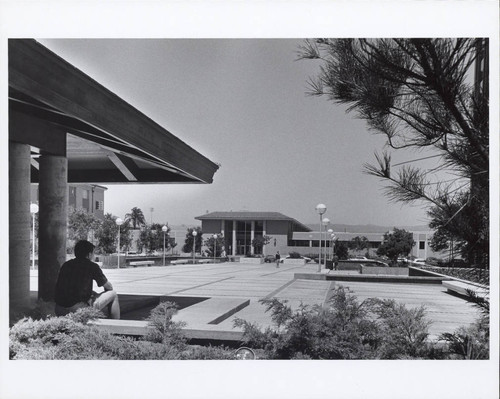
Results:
<point x="243" y="103"/>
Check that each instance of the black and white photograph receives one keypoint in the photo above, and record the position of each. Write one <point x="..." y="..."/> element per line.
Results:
<point x="304" y="187"/>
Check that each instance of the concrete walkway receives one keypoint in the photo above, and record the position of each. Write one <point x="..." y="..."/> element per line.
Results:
<point x="234" y="289"/>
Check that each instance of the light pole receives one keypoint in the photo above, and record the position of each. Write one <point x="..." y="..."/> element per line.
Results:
<point x="215" y="245"/>
<point x="164" y="229"/>
<point x="195" y="233"/>
<point x="320" y="208"/>
<point x="330" y="232"/>
<point x="34" y="211"/>
<point x="119" y="222"/>
<point x="325" y="222"/>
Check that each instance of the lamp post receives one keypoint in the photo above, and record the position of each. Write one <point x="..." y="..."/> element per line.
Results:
<point x="215" y="245"/>
<point x="325" y="222"/>
<point x="164" y="229"/>
<point x="34" y="211"/>
<point x="119" y="222"/>
<point x="330" y="232"/>
<point x="321" y="209"/>
<point x="195" y="233"/>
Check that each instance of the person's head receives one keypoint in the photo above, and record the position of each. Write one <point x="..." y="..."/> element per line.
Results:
<point x="84" y="249"/>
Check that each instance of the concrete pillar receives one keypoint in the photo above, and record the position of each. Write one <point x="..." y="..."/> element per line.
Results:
<point x="264" y="227"/>
<point x="222" y="227"/>
<point x="19" y="225"/>
<point x="234" y="238"/>
<point x="252" y="236"/>
<point x="53" y="193"/>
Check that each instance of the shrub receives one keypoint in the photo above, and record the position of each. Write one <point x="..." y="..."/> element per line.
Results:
<point x="344" y="329"/>
<point x="403" y="331"/>
<point x="197" y="352"/>
<point x="468" y="342"/>
<point x="294" y="255"/>
<point x="340" y="331"/>
<point x="70" y="337"/>
<point x="163" y="329"/>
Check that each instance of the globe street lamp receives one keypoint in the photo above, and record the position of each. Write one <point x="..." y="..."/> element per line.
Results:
<point x="164" y="229"/>
<point x="215" y="245"/>
<point x="33" y="210"/>
<point x="195" y="233"/>
<point x="325" y="222"/>
<point x="320" y="208"/>
<point x="119" y="222"/>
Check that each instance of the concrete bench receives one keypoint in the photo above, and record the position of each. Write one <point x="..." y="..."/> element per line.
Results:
<point x="204" y="261"/>
<point x="142" y="263"/>
<point x="462" y="288"/>
<point x="179" y="262"/>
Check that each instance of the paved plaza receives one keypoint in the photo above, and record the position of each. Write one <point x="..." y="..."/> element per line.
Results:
<point x="234" y="289"/>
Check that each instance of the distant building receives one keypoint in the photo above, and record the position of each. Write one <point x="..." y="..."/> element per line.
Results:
<point x="304" y="242"/>
<point x="240" y="228"/>
<point x="289" y="235"/>
<point x="89" y="197"/>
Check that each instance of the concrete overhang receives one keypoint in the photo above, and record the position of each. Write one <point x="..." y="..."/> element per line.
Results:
<point x="106" y="139"/>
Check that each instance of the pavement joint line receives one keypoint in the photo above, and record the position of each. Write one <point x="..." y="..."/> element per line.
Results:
<point x="198" y="286"/>
<point x="280" y="271"/>
<point x="281" y="288"/>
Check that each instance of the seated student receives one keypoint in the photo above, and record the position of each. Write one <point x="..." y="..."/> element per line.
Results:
<point x="74" y="284"/>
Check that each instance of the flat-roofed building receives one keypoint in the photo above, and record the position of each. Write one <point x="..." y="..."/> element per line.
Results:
<point x="240" y="228"/>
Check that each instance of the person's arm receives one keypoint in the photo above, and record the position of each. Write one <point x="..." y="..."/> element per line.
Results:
<point x="107" y="286"/>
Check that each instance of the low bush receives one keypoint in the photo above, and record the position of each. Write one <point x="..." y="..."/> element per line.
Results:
<point x="72" y="338"/>
<point x="345" y="329"/>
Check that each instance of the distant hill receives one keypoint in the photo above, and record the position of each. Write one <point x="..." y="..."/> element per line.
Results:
<point x="366" y="228"/>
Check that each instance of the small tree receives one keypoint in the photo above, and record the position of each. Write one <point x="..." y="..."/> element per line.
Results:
<point x="107" y="234"/>
<point x="214" y="244"/>
<point x="136" y="217"/>
<point x="359" y="243"/>
<point x="151" y="238"/>
<point x="188" y="242"/>
<point x="81" y="223"/>
<point x="396" y="243"/>
<point x="259" y="242"/>
<point x="342" y="250"/>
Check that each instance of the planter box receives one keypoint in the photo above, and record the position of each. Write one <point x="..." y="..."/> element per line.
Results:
<point x="111" y="261"/>
<point x="257" y="261"/>
<point x="294" y="261"/>
<point x="391" y="271"/>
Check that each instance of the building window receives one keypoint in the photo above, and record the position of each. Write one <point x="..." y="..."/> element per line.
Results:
<point x="85" y="194"/>
<point x="99" y="205"/>
<point x="299" y="243"/>
<point x="421" y="245"/>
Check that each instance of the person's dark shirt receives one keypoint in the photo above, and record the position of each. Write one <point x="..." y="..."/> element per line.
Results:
<point x="74" y="283"/>
<point x="278" y="256"/>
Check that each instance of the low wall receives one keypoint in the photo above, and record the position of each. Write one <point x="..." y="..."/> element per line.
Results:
<point x="348" y="265"/>
<point x="111" y="261"/>
<point x="252" y="260"/>
<point x="391" y="271"/>
<point x="290" y="261"/>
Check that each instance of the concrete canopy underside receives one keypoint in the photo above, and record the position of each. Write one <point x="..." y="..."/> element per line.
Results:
<point x="109" y="141"/>
<point x="64" y="127"/>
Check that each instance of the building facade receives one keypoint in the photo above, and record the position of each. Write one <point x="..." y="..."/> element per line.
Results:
<point x="288" y="235"/>
<point x="89" y="197"/>
<point x="240" y="228"/>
